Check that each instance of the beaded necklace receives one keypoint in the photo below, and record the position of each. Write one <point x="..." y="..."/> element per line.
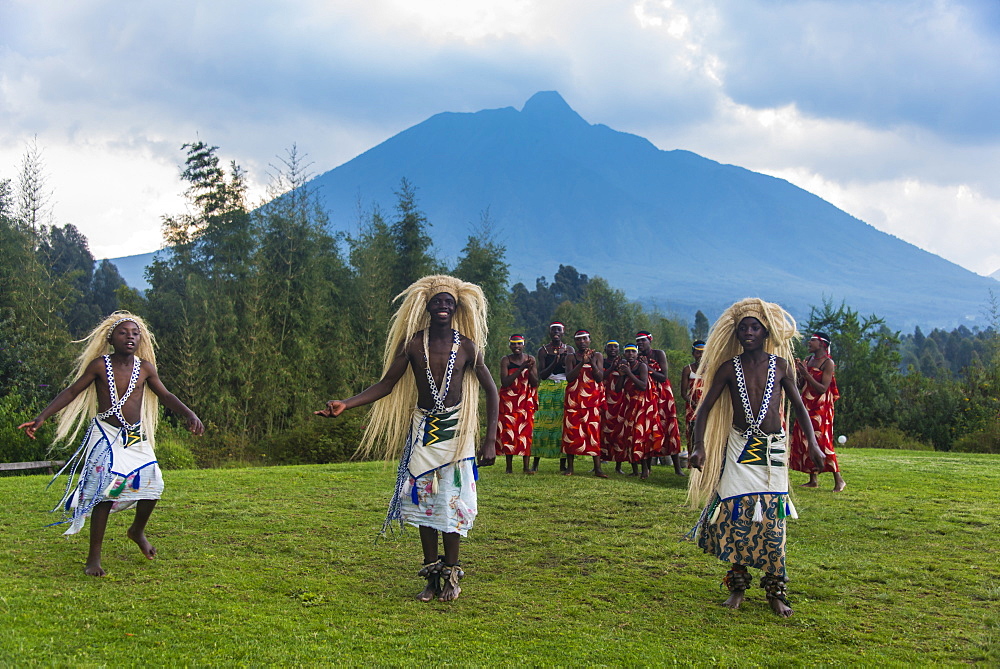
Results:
<point x="439" y="395"/>
<point x="753" y="426"/>
<point x="117" y="404"/>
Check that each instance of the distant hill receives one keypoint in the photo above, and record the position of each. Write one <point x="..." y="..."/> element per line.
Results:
<point x="133" y="268"/>
<point x="670" y="228"/>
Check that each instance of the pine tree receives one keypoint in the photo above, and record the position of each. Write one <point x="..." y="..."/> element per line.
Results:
<point x="414" y="258"/>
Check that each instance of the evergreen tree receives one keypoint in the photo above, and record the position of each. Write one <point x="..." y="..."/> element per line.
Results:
<point x="483" y="263"/>
<point x="701" y="326"/>
<point x="104" y="288"/>
<point x="867" y="365"/>
<point x="412" y="243"/>
<point x="372" y="258"/>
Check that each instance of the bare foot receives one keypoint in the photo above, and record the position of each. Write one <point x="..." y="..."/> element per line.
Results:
<point x="567" y="473"/>
<point x="140" y="539"/>
<point x="779" y="607"/>
<point x="679" y="472"/>
<point x="529" y="471"/>
<point x="509" y="471"/>
<point x="840" y="486"/>
<point x="93" y="569"/>
<point x="600" y="475"/>
<point x="809" y="485"/>
<point x="450" y="592"/>
<point x="735" y="599"/>
<point x="427" y="594"/>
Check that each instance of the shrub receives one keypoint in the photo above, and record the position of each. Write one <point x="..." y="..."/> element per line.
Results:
<point x="885" y="437"/>
<point x="14" y="444"/>
<point x="174" y="453"/>
<point x="317" y="441"/>
<point x="985" y="440"/>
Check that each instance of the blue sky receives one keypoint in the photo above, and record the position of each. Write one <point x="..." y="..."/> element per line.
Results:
<point x="887" y="109"/>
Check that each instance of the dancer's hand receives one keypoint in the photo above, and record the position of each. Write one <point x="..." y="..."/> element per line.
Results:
<point x="30" y="427"/>
<point x="696" y="458"/>
<point x="487" y="452"/>
<point x="194" y="425"/>
<point x="333" y="409"/>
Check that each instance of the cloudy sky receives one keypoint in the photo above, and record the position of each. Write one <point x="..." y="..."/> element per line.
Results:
<point x="888" y="109"/>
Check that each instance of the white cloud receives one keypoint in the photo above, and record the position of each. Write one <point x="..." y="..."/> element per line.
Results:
<point x="850" y="99"/>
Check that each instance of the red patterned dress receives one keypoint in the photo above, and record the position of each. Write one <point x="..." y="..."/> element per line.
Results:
<point x="642" y="432"/>
<point x="612" y="419"/>
<point x="820" y="408"/>
<point x="582" y="414"/>
<point x="516" y="421"/>
<point x="670" y="440"/>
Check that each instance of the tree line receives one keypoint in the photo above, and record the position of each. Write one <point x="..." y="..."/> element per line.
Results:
<point x="262" y="311"/>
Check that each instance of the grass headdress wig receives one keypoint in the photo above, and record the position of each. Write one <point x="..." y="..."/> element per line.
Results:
<point x="721" y="346"/>
<point x="83" y="408"/>
<point x="389" y="419"/>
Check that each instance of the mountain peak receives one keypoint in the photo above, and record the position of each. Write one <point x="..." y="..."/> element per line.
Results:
<point x="550" y="106"/>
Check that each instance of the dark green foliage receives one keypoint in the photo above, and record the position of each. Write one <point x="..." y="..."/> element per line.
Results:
<point x="14" y="445"/>
<point x="885" y="437"/>
<point x="413" y="258"/>
<point x="483" y="263"/>
<point x="318" y="440"/>
<point x="867" y="360"/>
<point x="701" y="325"/>
<point x="246" y="301"/>
<point x="104" y="289"/>
<point x="984" y="440"/>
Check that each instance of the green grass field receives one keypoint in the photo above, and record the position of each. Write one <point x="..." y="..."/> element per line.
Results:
<point x="277" y="566"/>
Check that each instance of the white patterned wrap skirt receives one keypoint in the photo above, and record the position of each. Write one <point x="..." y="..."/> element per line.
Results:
<point x="111" y="465"/>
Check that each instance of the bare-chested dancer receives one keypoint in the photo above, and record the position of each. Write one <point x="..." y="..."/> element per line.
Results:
<point x="740" y="448"/>
<point x="117" y="467"/>
<point x="434" y="334"/>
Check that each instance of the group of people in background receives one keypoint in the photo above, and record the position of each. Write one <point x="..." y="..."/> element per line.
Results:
<point x="572" y="400"/>
<point x="619" y="406"/>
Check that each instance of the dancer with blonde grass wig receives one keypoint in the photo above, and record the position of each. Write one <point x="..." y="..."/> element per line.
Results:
<point x="429" y="420"/>
<point x="116" y="395"/>
<point x="739" y="448"/>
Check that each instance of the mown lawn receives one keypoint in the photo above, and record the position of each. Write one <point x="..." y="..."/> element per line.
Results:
<point x="277" y="566"/>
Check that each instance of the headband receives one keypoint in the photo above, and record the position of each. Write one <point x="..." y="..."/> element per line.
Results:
<point x="118" y="322"/>
<point x="698" y="347"/>
<point x="554" y="323"/>
<point x="612" y="341"/>
<point x="642" y="334"/>
<point x="821" y="337"/>
<point x="517" y="339"/>
<point x="630" y="347"/>
<point x="581" y="333"/>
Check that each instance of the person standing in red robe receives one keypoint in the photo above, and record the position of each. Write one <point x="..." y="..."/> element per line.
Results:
<point x="691" y="387"/>
<point x="643" y="429"/>
<point x="611" y="413"/>
<point x="582" y="407"/>
<point x="818" y="387"/>
<point x="518" y="401"/>
<point x="656" y="360"/>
